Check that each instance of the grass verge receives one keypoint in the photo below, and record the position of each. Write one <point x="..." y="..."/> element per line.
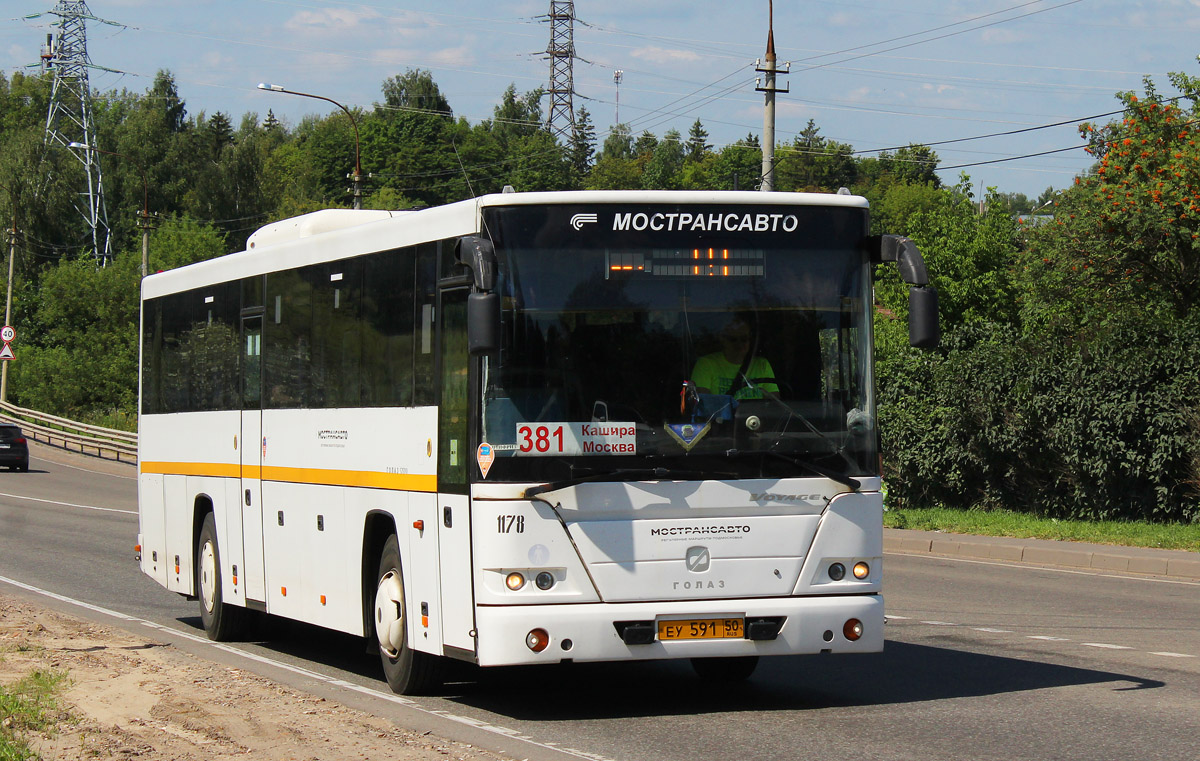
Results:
<point x="28" y="705"/>
<point x="1008" y="523"/>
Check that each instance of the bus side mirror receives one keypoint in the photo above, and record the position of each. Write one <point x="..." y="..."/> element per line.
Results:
<point x="483" y="323"/>
<point x="923" y="329"/>
<point x="479" y="256"/>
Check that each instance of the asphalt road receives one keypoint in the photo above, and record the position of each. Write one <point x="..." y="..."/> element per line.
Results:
<point x="983" y="660"/>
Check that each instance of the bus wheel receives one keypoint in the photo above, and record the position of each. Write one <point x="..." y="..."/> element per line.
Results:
<point x="222" y="622"/>
<point x="725" y="670"/>
<point x="408" y="672"/>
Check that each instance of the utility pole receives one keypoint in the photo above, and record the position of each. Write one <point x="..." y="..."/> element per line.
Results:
<point x="69" y="118"/>
<point x="769" y="67"/>
<point x="561" y="51"/>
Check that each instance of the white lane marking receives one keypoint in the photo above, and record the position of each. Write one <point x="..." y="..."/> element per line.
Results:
<point x="1045" y="638"/>
<point x="1050" y="569"/>
<point x="466" y="720"/>
<point x="85" y="470"/>
<point x="68" y="504"/>
<point x="890" y="617"/>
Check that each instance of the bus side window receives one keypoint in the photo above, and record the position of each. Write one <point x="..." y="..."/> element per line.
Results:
<point x="387" y="322"/>
<point x="288" y="339"/>
<point x="425" y="387"/>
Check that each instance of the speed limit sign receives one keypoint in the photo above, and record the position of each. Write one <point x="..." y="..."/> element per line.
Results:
<point x="7" y="334"/>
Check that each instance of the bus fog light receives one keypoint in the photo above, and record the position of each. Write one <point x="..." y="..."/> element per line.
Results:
<point x="514" y="581"/>
<point x="861" y="570"/>
<point x="837" y="571"/>
<point x="544" y="580"/>
<point x="537" y="640"/>
<point x="852" y="629"/>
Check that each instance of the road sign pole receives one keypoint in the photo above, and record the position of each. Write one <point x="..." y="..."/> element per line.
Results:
<point x="12" y="254"/>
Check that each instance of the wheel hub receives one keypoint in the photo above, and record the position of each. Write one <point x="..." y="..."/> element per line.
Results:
<point x="389" y="614"/>
<point x="208" y="576"/>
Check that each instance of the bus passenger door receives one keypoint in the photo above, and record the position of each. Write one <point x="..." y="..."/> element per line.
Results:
<point x="253" y="576"/>
<point x="454" y="458"/>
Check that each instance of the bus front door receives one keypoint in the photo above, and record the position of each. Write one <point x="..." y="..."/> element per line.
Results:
<point x="454" y="462"/>
<point x="250" y="447"/>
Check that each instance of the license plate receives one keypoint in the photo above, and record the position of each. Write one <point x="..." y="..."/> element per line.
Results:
<point x="702" y="628"/>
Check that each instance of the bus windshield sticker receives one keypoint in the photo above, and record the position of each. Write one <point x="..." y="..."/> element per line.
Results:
<point x="541" y="439"/>
<point x="687" y="434"/>
<point x="485" y="456"/>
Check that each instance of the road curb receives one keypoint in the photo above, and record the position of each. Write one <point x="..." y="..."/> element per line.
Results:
<point x="1176" y="564"/>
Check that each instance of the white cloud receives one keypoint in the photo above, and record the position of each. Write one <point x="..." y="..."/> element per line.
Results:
<point x="329" y="20"/>
<point x="655" y="54"/>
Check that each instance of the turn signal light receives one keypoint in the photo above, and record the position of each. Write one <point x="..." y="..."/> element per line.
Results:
<point x="537" y="640"/>
<point x="861" y="570"/>
<point x="514" y="581"/>
<point x="852" y="629"/>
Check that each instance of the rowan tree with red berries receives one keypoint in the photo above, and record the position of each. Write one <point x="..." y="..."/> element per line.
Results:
<point x="1127" y="233"/>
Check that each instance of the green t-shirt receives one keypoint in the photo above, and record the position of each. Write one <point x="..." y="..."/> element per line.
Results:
<point x="715" y="373"/>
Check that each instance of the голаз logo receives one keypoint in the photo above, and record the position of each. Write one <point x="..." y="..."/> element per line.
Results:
<point x="579" y="220"/>
<point x="697" y="559"/>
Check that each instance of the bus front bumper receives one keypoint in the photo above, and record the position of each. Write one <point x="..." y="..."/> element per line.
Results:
<point x="602" y="632"/>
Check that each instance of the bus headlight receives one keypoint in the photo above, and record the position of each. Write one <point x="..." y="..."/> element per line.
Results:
<point x="514" y="581"/>
<point x="544" y="580"/>
<point x="861" y="570"/>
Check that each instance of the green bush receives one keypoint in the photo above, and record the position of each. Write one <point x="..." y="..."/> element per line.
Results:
<point x="1102" y="426"/>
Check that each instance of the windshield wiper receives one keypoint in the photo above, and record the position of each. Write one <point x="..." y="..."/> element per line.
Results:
<point x="853" y="483"/>
<point x="627" y="474"/>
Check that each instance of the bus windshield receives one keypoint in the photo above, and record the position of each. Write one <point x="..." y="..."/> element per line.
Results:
<point x="691" y="342"/>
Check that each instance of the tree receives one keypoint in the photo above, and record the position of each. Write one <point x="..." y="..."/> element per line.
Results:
<point x="1128" y="233"/>
<point x="645" y="144"/>
<point x="665" y="163"/>
<point x="619" y="143"/>
<point x="814" y="163"/>
<point x="415" y="90"/>
<point x="582" y="144"/>
<point x="697" y="144"/>
<point x="913" y="163"/>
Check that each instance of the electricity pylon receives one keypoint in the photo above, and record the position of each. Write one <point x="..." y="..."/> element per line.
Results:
<point x="561" y="51"/>
<point x="70" y="119"/>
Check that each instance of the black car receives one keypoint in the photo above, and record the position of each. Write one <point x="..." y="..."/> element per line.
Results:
<point x="14" y="450"/>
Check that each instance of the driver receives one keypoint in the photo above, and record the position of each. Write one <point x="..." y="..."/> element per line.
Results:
<point x="716" y="373"/>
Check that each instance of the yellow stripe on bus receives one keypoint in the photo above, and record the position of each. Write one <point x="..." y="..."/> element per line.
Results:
<point x="324" y="477"/>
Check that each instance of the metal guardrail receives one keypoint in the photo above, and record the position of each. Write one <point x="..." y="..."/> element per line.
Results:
<point x="107" y="443"/>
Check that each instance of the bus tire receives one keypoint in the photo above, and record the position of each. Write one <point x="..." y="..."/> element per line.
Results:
<point x="222" y="622"/>
<point x="408" y="671"/>
<point x="725" y="670"/>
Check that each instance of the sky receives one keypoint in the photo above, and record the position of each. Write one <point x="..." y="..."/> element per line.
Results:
<point x="876" y="74"/>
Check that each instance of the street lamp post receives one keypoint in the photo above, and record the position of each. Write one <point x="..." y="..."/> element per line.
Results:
<point x="144" y="216"/>
<point x="357" y="177"/>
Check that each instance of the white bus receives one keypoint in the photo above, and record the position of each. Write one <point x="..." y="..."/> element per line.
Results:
<point x="529" y="428"/>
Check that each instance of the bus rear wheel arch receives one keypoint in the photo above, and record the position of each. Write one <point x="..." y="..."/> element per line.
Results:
<point x="408" y="671"/>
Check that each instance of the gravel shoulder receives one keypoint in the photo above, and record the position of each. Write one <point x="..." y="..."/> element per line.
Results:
<point x="128" y="696"/>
